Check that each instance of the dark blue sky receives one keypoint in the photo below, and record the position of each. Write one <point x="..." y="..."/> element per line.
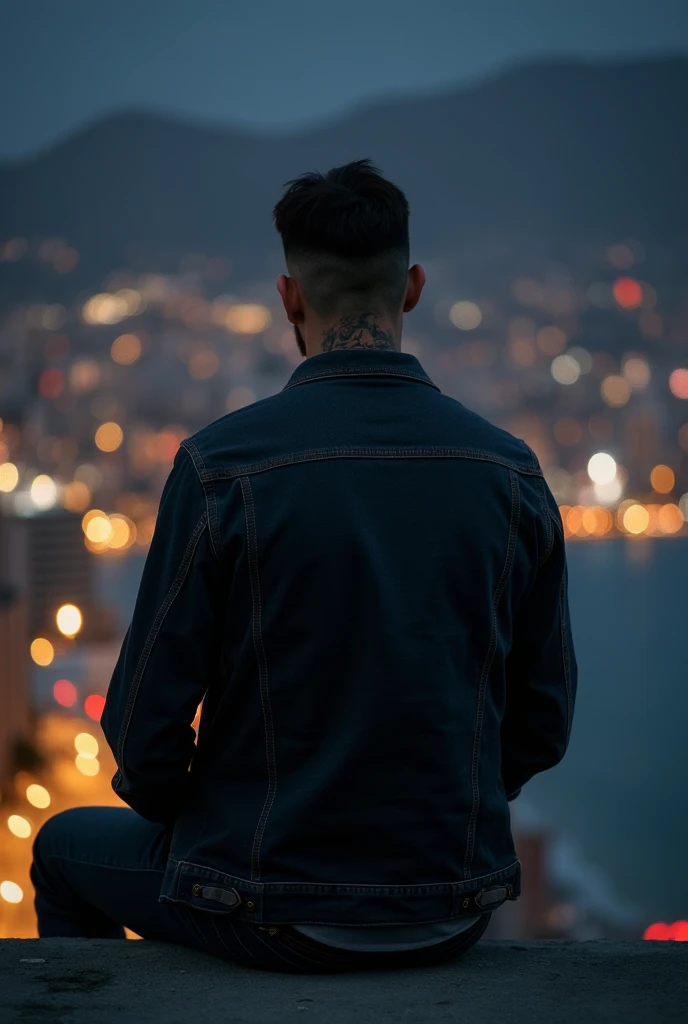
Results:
<point x="275" y="63"/>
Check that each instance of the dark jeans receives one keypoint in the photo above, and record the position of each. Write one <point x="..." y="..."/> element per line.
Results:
<point x="99" y="869"/>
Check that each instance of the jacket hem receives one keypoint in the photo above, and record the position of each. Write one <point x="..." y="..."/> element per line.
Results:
<point x="212" y="891"/>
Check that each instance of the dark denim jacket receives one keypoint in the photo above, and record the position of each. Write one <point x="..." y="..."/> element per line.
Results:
<point x="365" y="583"/>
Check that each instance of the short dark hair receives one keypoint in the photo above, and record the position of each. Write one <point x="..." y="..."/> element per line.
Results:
<point x="345" y="234"/>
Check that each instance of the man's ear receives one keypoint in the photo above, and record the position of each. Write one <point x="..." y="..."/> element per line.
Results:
<point x="414" y="287"/>
<point x="290" y="293"/>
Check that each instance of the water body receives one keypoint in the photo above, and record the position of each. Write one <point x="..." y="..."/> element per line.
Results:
<point x="620" y="794"/>
<point x="619" y="798"/>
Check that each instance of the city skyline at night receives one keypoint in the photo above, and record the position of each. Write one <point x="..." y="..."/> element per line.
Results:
<point x="138" y="304"/>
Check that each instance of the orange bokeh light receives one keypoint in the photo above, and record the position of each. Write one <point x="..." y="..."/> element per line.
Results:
<point x="662" y="479"/>
<point x="125" y="349"/>
<point x="670" y="518"/>
<point x="109" y="437"/>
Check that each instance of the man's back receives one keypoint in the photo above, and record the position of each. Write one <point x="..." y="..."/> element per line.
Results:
<point x="365" y="586"/>
<point x="366" y="583"/>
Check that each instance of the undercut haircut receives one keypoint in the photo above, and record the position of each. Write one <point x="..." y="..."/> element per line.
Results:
<point x="346" y="239"/>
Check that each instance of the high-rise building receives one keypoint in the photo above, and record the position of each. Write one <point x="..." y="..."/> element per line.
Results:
<point x="44" y="557"/>
<point x="14" y="697"/>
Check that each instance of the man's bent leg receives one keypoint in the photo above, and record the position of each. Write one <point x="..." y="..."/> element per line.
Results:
<point x="98" y="869"/>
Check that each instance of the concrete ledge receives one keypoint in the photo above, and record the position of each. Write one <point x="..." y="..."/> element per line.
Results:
<point x="76" y="981"/>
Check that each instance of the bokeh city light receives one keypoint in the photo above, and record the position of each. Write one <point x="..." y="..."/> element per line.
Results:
<point x="663" y="479"/>
<point x="465" y="315"/>
<point x="42" y="651"/>
<point x="565" y="369"/>
<point x="602" y="468"/>
<point x="109" y="437"/>
<point x="678" y="383"/>
<point x="43" y="492"/>
<point x="627" y="292"/>
<point x="19" y="826"/>
<point x="11" y="892"/>
<point x="86" y="745"/>
<point x="9" y="477"/>
<point x="65" y="693"/>
<point x="69" y="620"/>
<point x="93" y="706"/>
<point x="125" y="349"/>
<point x="37" y="795"/>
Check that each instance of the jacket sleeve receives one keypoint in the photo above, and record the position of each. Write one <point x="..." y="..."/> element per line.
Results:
<point x="169" y="654"/>
<point x="541" y="671"/>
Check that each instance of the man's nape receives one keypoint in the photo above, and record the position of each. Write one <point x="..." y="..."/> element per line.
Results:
<point x="371" y="325"/>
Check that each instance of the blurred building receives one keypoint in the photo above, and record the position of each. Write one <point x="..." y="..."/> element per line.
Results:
<point x="563" y="896"/>
<point x="14" y="642"/>
<point x="527" y="917"/>
<point x="44" y="557"/>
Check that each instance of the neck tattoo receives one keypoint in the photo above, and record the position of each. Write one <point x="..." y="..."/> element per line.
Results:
<point x="357" y="331"/>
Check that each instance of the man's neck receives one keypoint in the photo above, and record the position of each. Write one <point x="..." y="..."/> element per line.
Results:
<point x="361" y="331"/>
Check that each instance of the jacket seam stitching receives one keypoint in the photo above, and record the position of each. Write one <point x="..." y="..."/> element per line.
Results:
<point x="556" y="525"/>
<point x="152" y="636"/>
<point x="565" y="658"/>
<point x="207" y="483"/>
<point x="544" y="506"/>
<point x="213" y="518"/>
<point x="547" y="513"/>
<point x="514" y="517"/>
<point x="261" y="659"/>
<point x="318" y="454"/>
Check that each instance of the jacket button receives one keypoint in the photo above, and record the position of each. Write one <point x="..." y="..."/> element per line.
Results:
<point x="197" y="890"/>
<point x="466" y="903"/>
<point x="250" y="905"/>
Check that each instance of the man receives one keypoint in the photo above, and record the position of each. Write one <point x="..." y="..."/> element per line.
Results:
<point x="365" y="584"/>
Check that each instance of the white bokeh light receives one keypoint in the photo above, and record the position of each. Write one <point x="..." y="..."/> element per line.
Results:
<point x="465" y="315"/>
<point x="43" y="492"/>
<point x="602" y="468"/>
<point x="565" y="369"/>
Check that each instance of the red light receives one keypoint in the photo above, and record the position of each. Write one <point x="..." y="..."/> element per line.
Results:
<point x="65" y="693"/>
<point x="628" y="292"/>
<point x="93" y="706"/>
<point x="678" y="931"/>
<point x="678" y="383"/>
<point x="51" y="383"/>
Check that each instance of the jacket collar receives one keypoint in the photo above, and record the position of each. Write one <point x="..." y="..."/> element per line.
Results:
<point x="359" y="362"/>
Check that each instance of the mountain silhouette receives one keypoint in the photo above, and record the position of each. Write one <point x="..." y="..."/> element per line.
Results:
<point x="561" y="150"/>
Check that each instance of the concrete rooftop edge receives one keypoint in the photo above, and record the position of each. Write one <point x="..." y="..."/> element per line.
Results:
<point x="80" y="981"/>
